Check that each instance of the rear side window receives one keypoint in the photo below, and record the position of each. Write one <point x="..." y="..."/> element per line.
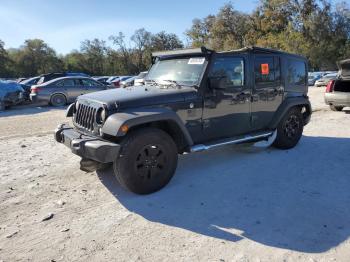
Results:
<point x="296" y="72"/>
<point x="230" y="67"/>
<point x="88" y="82"/>
<point x="267" y="70"/>
<point x="68" y="82"/>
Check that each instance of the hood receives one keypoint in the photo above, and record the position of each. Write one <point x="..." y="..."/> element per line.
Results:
<point x="139" y="96"/>
<point x="344" y="68"/>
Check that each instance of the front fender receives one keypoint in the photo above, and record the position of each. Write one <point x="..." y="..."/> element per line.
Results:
<point x="287" y="104"/>
<point x="133" y="118"/>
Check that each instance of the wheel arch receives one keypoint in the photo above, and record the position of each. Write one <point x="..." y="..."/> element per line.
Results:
<point x="302" y="102"/>
<point x="162" y="118"/>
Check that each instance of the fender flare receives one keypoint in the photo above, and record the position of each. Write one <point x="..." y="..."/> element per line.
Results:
<point x="140" y="116"/>
<point x="287" y="104"/>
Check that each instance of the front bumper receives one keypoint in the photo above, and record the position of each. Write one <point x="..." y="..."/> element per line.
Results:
<point x="85" y="146"/>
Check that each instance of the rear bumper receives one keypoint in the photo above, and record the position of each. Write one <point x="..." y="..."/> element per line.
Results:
<point x="85" y="146"/>
<point x="337" y="99"/>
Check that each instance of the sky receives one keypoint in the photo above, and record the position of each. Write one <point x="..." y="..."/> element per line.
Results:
<point x="64" y="24"/>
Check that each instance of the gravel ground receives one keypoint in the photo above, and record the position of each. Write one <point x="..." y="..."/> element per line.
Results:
<point x="230" y="204"/>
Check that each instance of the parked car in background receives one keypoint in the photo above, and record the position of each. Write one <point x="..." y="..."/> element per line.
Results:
<point x="27" y="84"/>
<point x="101" y="79"/>
<point x="111" y="78"/>
<point x="128" y="82"/>
<point x="63" y="90"/>
<point x="11" y="93"/>
<point x="48" y="77"/>
<point x="140" y="79"/>
<point x="323" y="81"/>
<point x="116" y="82"/>
<point x="19" y="80"/>
<point x="312" y="78"/>
<point x="337" y="94"/>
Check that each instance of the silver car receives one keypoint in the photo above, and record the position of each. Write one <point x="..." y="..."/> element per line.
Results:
<point x="337" y="94"/>
<point x="63" y="90"/>
<point x="325" y="79"/>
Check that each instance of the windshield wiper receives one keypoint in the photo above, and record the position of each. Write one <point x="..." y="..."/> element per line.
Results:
<point x="152" y="82"/>
<point x="173" y="82"/>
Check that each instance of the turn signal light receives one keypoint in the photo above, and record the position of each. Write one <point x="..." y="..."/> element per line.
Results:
<point x="124" y="128"/>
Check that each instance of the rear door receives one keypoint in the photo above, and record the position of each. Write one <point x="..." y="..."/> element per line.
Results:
<point x="71" y="87"/>
<point x="267" y="94"/>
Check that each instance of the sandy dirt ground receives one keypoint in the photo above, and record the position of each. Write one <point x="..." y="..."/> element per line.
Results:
<point x="230" y="204"/>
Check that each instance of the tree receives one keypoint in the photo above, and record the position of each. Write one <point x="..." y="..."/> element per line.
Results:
<point x="165" y="41"/>
<point x="4" y="61"/>
<point x="35" y="57"/>
<point x="94" y="53"/>
<point x="142" y="41"/>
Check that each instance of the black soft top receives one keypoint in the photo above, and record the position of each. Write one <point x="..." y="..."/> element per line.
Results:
<point x="205" y="51"/>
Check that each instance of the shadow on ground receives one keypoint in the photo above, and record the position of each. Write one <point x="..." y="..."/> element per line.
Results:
<point x="29" y="109"/>
<point x="297" y="199"/>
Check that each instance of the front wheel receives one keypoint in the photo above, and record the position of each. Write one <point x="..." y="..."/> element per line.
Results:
<point x="289" y="130"/>
<point x="147" y="161"/>
<point x="336" y="108"/>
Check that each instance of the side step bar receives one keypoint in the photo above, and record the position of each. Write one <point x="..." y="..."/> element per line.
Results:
<point x="202" y="147"/>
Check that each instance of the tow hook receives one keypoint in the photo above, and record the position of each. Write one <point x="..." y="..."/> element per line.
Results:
<point x="88" y="165"/>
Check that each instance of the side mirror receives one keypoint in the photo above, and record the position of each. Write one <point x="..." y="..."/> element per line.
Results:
<point x="217" y="82"/>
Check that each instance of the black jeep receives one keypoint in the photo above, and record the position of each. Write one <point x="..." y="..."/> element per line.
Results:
<point x="192" y="100"/>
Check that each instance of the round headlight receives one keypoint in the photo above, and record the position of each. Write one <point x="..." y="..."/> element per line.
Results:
<point x="101" y="116"/>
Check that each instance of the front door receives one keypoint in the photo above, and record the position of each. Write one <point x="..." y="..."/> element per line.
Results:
<point x="226" y="111"/>
<point x="267" y="94"/>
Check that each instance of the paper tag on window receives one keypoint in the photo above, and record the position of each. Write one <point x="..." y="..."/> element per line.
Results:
<point x="196" y="61"/>
<point x="265" y="69"/>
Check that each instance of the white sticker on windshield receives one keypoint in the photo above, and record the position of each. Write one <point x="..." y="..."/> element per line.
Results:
<point x="196" y="61"/>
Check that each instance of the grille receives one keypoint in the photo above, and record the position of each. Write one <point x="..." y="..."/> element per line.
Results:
<point x="85" y="117"/>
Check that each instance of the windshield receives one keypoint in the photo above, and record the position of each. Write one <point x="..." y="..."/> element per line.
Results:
<point x="184" y="71"/>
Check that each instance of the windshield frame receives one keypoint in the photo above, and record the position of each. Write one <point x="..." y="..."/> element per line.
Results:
<point x="195" y="85"/>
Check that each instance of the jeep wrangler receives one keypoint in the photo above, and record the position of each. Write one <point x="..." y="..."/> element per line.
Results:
<point x="192" y="100"/>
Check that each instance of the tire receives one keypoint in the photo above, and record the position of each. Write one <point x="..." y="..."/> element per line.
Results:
<point x="2" y="105"/>
<point x="336" y="108"/>
<point x="147" y="161"/>
<point x="289" y="130"/>
<point x="58" y="100"/>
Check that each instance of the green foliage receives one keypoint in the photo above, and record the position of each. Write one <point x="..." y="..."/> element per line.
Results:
<point x="315" y="29"/>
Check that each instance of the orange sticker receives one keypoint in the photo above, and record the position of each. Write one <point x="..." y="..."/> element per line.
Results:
<point x="265" y="69"/>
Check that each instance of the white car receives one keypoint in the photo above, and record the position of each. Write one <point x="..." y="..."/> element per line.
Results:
<point x="325" y="80"/>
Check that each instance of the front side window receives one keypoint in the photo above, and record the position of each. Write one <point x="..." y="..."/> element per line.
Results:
<point x="230" y="68"/>
<point x="296" y="72"/>
<point x="185" y="71"/>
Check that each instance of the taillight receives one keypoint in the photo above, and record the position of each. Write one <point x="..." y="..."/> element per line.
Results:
<point x="330" y="86"/>
<point x="116" y="83"/>
<point x="35" y="89"/>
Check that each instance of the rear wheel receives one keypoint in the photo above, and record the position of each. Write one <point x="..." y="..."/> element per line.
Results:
<point x="289" y="130"/>
<point x="58" y="100"/>
<point x="147" y="161"/>
<point x="336" y="108"/>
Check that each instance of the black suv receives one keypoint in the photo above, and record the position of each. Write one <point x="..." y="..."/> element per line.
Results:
<point x="192" y="100"/>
